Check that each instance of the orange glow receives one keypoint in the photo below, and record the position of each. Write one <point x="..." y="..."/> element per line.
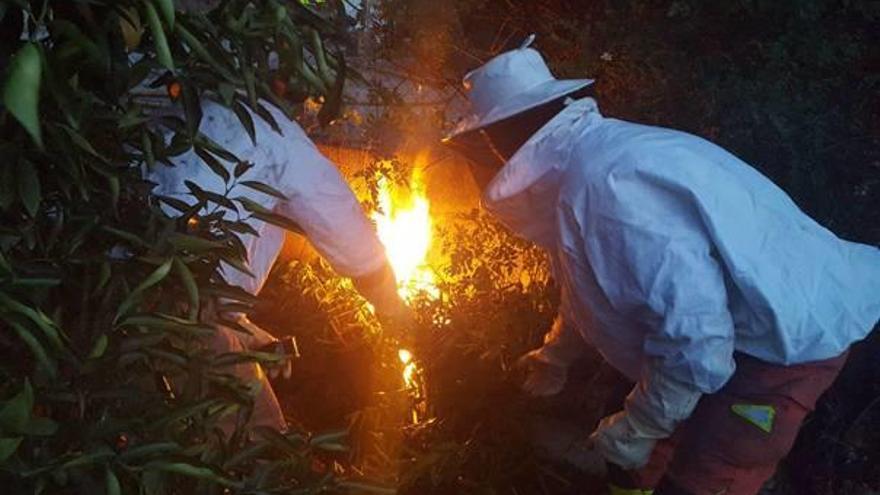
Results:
<point x="409" y="367"/>
<point x="405" y="228"/>
<point x="403" y="222"/>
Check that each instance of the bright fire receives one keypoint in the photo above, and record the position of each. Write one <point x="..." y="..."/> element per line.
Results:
<point x="409" y="367"/>
<point x="404" y="226"/>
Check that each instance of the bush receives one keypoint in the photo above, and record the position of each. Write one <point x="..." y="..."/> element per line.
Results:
<point x="464" y="427"/>
<point x="107" y="385"/>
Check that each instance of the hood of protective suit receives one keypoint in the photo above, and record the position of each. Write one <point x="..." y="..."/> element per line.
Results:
<point x="523" y="195"/>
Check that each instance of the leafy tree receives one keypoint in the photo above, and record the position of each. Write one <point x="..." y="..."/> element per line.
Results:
<point x="104" y="298"/>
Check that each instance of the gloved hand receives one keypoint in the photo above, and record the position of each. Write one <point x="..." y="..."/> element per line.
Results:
<point x="399" y="322"/>
<point x="288" y="350"/>
<point x="543" y="377"/>
<point x="263" y="341"/>
<point x="654" y="409"/>
<point x="624" y="441"/>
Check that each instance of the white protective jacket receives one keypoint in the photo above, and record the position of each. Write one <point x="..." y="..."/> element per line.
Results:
<point x="319" y="199"/>
<point x="672" y="254"/>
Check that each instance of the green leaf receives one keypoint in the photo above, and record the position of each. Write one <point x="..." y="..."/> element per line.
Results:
<point x="216" y="149"/>
<point x="99" y="348"/>
<point x="163" y="52"/>
<point x="43" y="322"/>
<point x="111" y="483"/>
<point x="246" y="120"/>
<point x="213" y="163"/>
<point x="263" y="188"/>
<point x="227" y="93"/>
<point x="279" y="221"/>
<point x="103" y="275"/>
<point x="21" y="91"/>
<point x="8" y="446"/>
<point x="250" y="85"/>
<point x="29" y="187"/>
<point x="35" y="282"/>
<point x="199" y="49"/>
<point x="16" y="412"/>
<point x="177" y="204"/>
<point x="113" y="182"/>
<point x="34" y="345"/>
<point x="242" y="167"/>
<point x="236" y="262"/>
<point x="205" y="196"/>
<point x="83" y="143"/>
<point x="128" y="236"/>
<point x="154" y="278"/>
<point x="288" y="442"/>
<point x="147" y="148"/>
<point x="261" y="213"/>
<point x="266" y="115"/>
<point x="4" y="265"/>
<point x="329" y="437"/>
<point x="167" y="9"/>
<point x="167" y="322"/>
<point x="241" y="228"/>
<point x="189" y="283"/>
<point x="192" y="108"/>
<point x="148" y="450"/>
<point x="41" y="427"/>
<point x="191" y="243"/>
<point x="92" y="458"/>
<point x="200" y="472"/>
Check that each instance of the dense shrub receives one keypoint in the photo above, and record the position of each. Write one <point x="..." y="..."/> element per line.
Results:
<point x="105" y="384"/>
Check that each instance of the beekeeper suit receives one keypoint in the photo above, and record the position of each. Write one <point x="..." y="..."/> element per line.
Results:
<point x="318" y="200"/>
<point x="689" y="271"/>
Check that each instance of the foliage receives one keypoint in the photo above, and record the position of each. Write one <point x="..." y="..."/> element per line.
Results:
<point x="464" y="427"/>
<point x="106" y="301"/>
<point x="497" y="302"/>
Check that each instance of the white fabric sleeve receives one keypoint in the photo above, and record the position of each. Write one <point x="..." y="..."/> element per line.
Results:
<point x="334" y="221"/>
<point x="318" y="197"/>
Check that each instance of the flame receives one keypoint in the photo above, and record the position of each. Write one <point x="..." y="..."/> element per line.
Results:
<point x="404" y="226"/>
<point x="409" y="368"/>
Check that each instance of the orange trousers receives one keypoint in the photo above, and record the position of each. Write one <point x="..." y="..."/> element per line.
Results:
<point x="733" y="441"/>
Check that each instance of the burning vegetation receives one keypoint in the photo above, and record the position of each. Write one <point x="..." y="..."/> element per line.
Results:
<point x="442" y="413"/>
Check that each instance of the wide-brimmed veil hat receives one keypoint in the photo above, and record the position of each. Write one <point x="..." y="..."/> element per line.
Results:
<point x="511" y="83"/>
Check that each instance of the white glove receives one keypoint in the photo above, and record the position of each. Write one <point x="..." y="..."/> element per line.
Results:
<point x="654" y="409"/>
<point x="624" y="441"/>
<point x="547" y="367"/>
<point x="263" y="341"/>
<point x="543" y="377"/>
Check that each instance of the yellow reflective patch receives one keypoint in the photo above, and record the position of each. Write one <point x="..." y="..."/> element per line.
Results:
<point x="616" y="490"/>
<point x="758" y="415"/>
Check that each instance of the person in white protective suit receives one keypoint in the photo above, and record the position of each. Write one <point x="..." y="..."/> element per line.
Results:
<point x="318" y="200"/>
<point x="690" y="272"/>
